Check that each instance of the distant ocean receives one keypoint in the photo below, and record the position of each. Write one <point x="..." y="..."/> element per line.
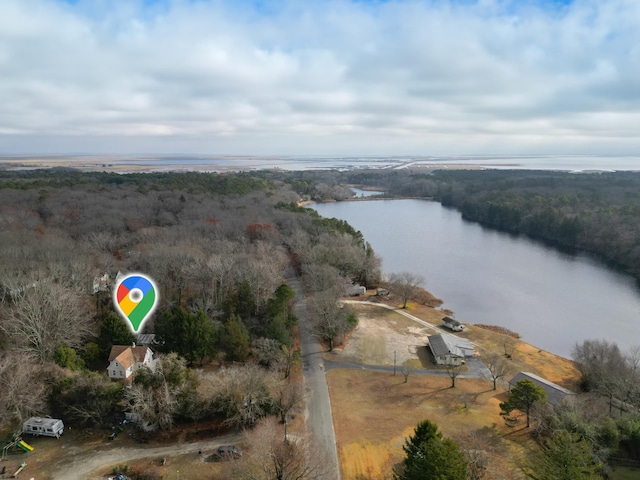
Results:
<point x="571" y="163"/>
<point x="219" y="163"/>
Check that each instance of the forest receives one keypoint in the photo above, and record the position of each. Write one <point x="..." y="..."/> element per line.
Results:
<point x="220" y="249"/>
<point x="597" y="212"/>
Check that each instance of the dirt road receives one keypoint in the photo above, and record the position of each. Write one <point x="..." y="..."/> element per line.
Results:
<point x="80" y="465"/>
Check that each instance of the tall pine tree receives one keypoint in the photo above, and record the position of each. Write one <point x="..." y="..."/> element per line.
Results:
<point x="430" y="456"/>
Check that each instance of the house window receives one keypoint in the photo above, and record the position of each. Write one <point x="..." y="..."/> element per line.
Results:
<point x="113" y="373"/>
<point x="121" y="373"/>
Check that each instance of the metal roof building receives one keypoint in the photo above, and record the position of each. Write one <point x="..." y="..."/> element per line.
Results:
<point x="450" y="350"/>
<point x="555" y="393"/>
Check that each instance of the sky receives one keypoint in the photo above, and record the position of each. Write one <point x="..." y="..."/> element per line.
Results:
<point x="320" y="77"/>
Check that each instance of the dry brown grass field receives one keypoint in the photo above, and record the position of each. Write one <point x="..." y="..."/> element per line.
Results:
<point x="374" y="412"/>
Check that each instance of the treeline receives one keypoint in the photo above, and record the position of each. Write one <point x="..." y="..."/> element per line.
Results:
<point x="598" y="212"/>
<point x="219" y="247"/>
<point x="193" y="182"/>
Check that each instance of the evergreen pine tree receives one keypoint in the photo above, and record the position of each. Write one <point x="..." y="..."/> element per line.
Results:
<point x="430" y="456"/>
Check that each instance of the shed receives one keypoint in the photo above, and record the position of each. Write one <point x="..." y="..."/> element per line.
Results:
<point x="555" y="393"/>
<point x="146" y="339"/>
<point x="49" y="427"/>
<point x="356" y="290"/>
<point x="453" y="324"/>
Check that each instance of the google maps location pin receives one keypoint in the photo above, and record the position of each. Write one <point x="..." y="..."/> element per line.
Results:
<point x="135" y="298"/>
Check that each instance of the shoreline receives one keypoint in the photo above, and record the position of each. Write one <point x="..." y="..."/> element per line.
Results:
<point x="153" y="163"/>
<point x="222" y="164"/>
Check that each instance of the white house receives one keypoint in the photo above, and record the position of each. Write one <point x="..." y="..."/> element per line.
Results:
<point x="125" y="360"/>
<point x="450" y="350"/>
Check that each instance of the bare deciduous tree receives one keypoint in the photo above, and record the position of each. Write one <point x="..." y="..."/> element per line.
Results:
<point x="325" y="278"/>
<point x="241" y="393"/>
<point x="405" y="285"/>
<point x="330" y="321"/>
<point x="453" y="370"/>
<point x="509" y="347"/>
<point x="287" y="398"/>
<point x="23" y="391"/>
<point x="603" y="368"/>
<point x="405" y="372"/>
<point x="269" y="457"/>
<point x="44" y="317"/>
<point x="497" y="366"/>
<point x="158" y="396"/>
<point x="476" y="447"/>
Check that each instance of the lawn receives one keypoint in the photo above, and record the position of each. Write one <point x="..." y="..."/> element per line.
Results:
<point x="374" y="412"/>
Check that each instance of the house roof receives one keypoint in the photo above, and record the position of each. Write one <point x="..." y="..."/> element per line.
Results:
<point x="443" y="345"/>
<point x="127" y="355"/>
<point x="555" y="393"/>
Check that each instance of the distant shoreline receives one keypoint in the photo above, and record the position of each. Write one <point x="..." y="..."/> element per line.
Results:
<point x="237" y="163"/>
<point x="215" y="165"/>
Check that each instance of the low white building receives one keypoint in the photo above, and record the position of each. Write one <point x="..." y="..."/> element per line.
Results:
<point x="450" y="350"/>
<point x="125" y="360"/>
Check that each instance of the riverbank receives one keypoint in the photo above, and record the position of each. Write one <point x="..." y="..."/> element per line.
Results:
<point x="552" y="299"/>
<point x="523" y="356"/>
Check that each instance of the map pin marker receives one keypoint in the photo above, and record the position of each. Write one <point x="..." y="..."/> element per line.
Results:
<point x="135" y="298"/>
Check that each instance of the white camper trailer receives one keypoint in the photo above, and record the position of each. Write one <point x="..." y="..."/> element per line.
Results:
<point x="49" y="427"/>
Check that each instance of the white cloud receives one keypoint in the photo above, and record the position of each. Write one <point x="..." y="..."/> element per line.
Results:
<point x="305" y="77"/>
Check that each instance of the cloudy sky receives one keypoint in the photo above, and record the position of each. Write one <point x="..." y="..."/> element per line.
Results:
<point x="338" y="77"/>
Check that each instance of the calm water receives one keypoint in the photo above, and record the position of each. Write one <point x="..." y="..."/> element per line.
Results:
<point x="552" y="299"/>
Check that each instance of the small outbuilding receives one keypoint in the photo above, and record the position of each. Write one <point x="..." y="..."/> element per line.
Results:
<point x="48" y="427"/>
<point x="146" y="339"/>
<point x="357" y="290"/>
<point x="555" y="393"/>
<point x="453" y="324"/>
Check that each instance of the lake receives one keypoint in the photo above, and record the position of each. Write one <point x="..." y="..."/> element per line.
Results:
<point x="552" y="299"/>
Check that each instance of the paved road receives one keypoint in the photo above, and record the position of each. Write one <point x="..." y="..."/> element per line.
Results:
<point x="319" y="416"/>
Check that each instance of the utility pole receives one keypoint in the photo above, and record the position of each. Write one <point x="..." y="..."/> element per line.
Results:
<point x="394" y="363"/>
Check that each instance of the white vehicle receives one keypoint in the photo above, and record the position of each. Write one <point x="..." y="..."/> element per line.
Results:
<point x="48" y="427"/>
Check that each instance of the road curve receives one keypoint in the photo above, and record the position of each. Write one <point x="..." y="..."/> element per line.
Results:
<point x="318" y="411"/>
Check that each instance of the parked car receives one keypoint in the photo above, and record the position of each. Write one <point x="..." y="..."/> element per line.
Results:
<point x="228" y="451"/>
